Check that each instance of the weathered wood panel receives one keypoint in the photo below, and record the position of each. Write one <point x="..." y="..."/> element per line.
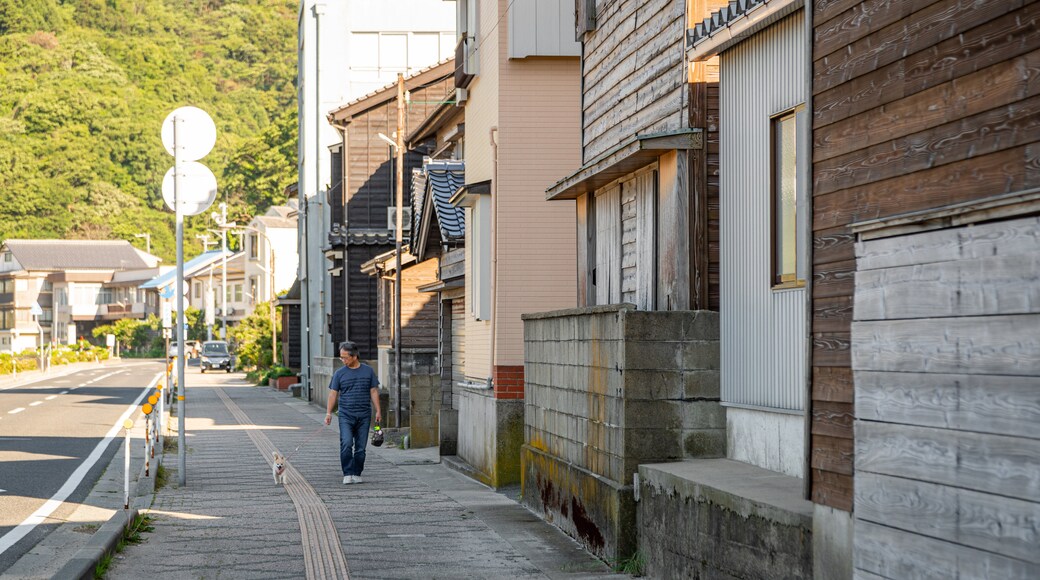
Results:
<point x="633" y="72"/>
<point x="832" y="454"/>
<point x="832" y="314"/>
<point x="979" y="287"/>
<point x="998" y="85"/>
<point x="1008" y="238"/>
<point x="981" y="403"/>
<point x="832" y="384"/>
<point x="996" y="464"/>
<point x="1002" y="172"/>
<point x="860" y="20"/>
<point x="832" y="246"/>
<point x="837" y="279"/>
<point x="990" y="345"/>
<point x="998" y="40"/>
<point x="607" y="275"/>
<point x="646" y="240"/>
<point x="988" y="132"/>
<point x="893" y="553"/>
<point x="849" y="54"/>
<point x="832" y="419"/>
<point x="628" y="241"/>
<point x="831" y="349"/>
<point x="996" y="524"/>
<point x="831" y="488"/>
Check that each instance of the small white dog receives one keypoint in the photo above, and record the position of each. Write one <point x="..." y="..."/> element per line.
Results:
<point x="278" y="468"/>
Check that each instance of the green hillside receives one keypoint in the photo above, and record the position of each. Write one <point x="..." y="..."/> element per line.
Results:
<point x="86" y="84"/>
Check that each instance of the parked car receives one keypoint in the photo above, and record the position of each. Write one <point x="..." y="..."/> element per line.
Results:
<point x="191" y="348"/>
<point x="215" y="355"/>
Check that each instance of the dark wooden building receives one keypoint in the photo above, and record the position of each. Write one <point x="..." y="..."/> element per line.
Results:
<point x="364" y="196"/>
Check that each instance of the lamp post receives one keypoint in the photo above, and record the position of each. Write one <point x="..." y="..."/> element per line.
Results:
<point x="147" y="241"/>
<point x="270" y="272"/>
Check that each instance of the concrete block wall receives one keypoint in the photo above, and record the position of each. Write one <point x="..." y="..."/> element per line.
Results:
<point x="608" y="388"/>
<point x="415" y="362"/>
<point x="424" y="409"/>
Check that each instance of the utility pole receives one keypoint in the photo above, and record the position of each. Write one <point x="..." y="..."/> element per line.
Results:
<point x="208" y="302"/>
<point x="397" y="241"/>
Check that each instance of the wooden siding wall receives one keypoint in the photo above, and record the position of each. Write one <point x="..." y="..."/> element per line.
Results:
<point x="362" y="303"/>
<point x="946" y="360"/>
<point x="763" y="347"/>
<point x="633" y="72"/>
<point x="704" y="174"/>
<point x="369" y="169"/>
<point x="915" y="105"/>
<point x="419" y="310"/>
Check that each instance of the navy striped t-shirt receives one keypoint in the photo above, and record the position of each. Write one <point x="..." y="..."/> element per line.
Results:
<point x="354" y="387"/>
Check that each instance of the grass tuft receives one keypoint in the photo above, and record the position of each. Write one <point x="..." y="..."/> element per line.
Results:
<point x="633" y="565"/>
<point x="131" y="536"/>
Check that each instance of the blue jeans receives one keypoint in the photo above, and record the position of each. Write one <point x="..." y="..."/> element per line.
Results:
<point x="353" y="438"/>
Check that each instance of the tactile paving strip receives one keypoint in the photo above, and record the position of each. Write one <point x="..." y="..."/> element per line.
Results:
<point x="322" y="551"/>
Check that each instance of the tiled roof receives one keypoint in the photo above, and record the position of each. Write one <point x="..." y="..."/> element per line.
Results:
<point x="190" y="267"/>
<point x="418" y="197"/>
<point x="369" y="238"/>
<point x="444" y="179"/>
<point x="276" y="221"/>
<point x="734" y="11"/>
<point x="57" y="255"/>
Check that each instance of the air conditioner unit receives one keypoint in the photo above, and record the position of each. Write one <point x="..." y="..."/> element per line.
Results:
<point x="391" y="219"/>
<point x="470" y="58"/>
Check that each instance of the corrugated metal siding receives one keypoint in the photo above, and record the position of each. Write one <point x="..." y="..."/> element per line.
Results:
<point x="763" y="344"/>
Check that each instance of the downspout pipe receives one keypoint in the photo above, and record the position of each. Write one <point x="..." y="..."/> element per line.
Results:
<point x="493" y="290"/>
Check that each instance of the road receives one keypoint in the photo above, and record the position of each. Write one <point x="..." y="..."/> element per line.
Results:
<point x="53" y="445"/>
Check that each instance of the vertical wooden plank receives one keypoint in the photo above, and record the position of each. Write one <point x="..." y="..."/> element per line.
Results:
<point x="581" y="207"/>
<point x="608" y="245"/>
<point x="646" y="240"/>
<point x="698" y="202"/>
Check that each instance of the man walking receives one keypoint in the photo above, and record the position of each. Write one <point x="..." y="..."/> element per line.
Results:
<point x="357" y="391"/>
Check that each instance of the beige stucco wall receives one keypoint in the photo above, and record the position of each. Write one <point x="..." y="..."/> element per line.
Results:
<point x="539" y="143"/>
<point x="535" y="104"/>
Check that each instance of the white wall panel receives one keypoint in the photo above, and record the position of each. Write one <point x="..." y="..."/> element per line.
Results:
<point x="763" y="344"/>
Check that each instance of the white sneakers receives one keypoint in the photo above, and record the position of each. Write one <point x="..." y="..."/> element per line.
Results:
<point x="348" y="479"/>
<point x="357" y="479"/>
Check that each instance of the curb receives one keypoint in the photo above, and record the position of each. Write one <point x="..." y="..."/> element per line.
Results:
<point x="103" y="541"/>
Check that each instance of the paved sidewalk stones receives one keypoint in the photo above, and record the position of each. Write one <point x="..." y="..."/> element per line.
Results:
<point x="412" y="518"/>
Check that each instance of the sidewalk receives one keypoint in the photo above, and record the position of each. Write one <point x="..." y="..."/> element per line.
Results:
<point x="411" y="518"/>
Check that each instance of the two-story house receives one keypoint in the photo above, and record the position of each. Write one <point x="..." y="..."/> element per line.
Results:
<point x="72" y="286"/>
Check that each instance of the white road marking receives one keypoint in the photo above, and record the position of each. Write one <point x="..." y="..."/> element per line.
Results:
<point x="40" y="515"/>
<point x="34" y="403"/>
<point x="63" y="393"/>
<point x="18" y="410"/>
<point x="51" y="397"/>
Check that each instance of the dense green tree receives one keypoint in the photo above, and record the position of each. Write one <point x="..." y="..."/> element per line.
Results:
<point x="87" y="84"/>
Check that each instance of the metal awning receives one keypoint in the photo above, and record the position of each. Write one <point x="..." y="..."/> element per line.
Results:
<point x="440" y="285"/>
<point x="629" y="156"/>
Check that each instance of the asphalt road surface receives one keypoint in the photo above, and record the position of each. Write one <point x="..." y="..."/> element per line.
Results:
<point x="53" y="445"/>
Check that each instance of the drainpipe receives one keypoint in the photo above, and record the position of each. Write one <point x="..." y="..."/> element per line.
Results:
<point x="493" y="137"/>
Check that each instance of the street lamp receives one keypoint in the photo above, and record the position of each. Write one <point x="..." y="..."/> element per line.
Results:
<point x="147" y="241"/>
<point x="270" y="272"/>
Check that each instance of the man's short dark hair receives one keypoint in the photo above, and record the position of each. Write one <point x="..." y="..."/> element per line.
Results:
<point x="349" y="347"/>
